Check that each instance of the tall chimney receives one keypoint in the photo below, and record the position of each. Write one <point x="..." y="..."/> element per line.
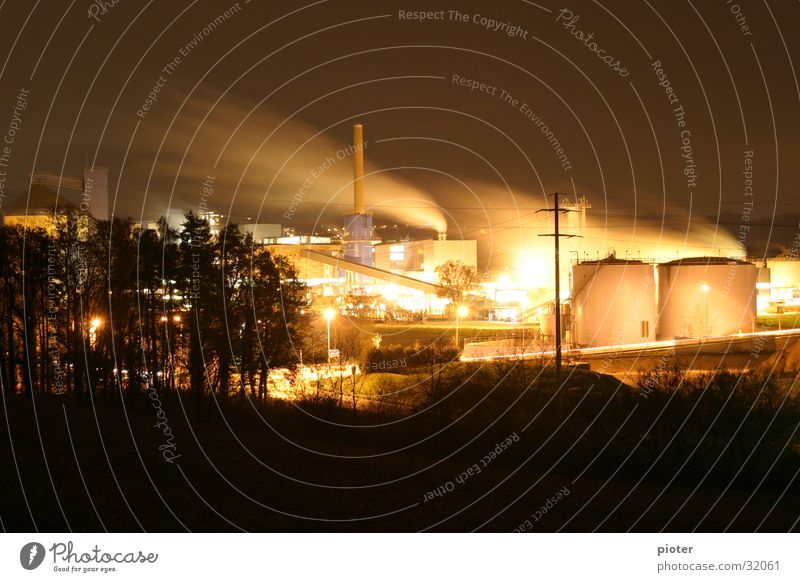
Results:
<point x="358" y="169"/>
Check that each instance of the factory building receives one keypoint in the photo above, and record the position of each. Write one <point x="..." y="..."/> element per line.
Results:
<point x="52" y="196"/>
<point x="262" y="233"/>
<point x="324" y="279"/>
<point x="779" y="291"/>
<point x="395" y="277"/>
<point x="40" y="208"/>
<point x="420" y="258"/>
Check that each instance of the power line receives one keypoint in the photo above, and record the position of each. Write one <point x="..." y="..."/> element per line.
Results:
<point x="557" y="237"/>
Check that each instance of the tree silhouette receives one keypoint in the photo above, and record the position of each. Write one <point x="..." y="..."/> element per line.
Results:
<point x="108" y="306"/>
<point x="458" y="280"/>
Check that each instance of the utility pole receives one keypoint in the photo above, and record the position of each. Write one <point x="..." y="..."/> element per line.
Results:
<point x="557" y="236"/>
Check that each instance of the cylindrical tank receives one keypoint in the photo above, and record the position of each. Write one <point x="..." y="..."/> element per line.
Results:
<point x="706" y="297"/>
<point x="613" y="302"/>
<point x="547" y="322"/>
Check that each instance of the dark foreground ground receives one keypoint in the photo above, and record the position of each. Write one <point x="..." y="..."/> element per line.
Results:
<point x="275" y="467"/>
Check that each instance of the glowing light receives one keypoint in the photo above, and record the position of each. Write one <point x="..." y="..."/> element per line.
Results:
<point x="96" y="322"/>
<point x="462" y="310"/>
<point x="329" y="314"/>
<point x="396" y="253"/>
<point x="176" y="318"/>
<point x="164" y="318"/>
<point x="705" y="288"/>
<point x="390" y="292"/>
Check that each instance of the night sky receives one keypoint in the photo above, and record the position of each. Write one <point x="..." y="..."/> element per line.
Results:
<point x="268" y="91"/>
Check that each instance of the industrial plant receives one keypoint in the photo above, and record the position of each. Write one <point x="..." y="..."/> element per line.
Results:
<point x="604" y="300"/>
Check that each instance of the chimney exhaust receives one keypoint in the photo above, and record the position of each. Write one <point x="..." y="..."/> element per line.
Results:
<point x="358" y="169"/>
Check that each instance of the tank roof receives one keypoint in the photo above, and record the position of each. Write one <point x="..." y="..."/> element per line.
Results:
<point x="707" y="261"/>
<point x="612" y="260"/>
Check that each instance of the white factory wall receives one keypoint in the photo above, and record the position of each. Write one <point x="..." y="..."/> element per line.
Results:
<point x="613" y="303"/>
<point x="420" y="258"/>
<point x="687" y="309"/>
<point x="784" y="282"/>
<point x="260" y="231"/>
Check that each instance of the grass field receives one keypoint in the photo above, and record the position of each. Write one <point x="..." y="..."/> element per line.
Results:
<point x="408" y="334"/>
<point x="778" y="321"/>
<point x="278" y="466"/>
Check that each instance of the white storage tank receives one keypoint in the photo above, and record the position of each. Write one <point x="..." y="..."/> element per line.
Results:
<point x="706" y="297"/>
<point x="613" y="302"/>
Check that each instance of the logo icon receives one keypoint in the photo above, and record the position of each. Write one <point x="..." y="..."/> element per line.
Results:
<point x="31" y="555"/>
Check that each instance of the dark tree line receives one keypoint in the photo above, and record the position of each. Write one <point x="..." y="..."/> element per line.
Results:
<point x="94" y="306"/>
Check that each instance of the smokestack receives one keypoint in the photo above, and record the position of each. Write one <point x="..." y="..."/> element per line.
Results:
<point x="358" y="169"/>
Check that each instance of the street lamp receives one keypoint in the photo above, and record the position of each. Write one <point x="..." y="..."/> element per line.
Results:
<point x="461" y="311"/>
<point x="524" y="306"/>
<point x="705" y="289"/>
<point x="329" y="314"/>
<point x="94" y="324"/>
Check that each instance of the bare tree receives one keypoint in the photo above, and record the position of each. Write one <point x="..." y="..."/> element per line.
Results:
<point x="458" y="281"/>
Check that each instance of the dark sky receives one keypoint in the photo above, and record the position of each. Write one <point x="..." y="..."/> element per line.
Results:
<point x="272" y="91"/>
